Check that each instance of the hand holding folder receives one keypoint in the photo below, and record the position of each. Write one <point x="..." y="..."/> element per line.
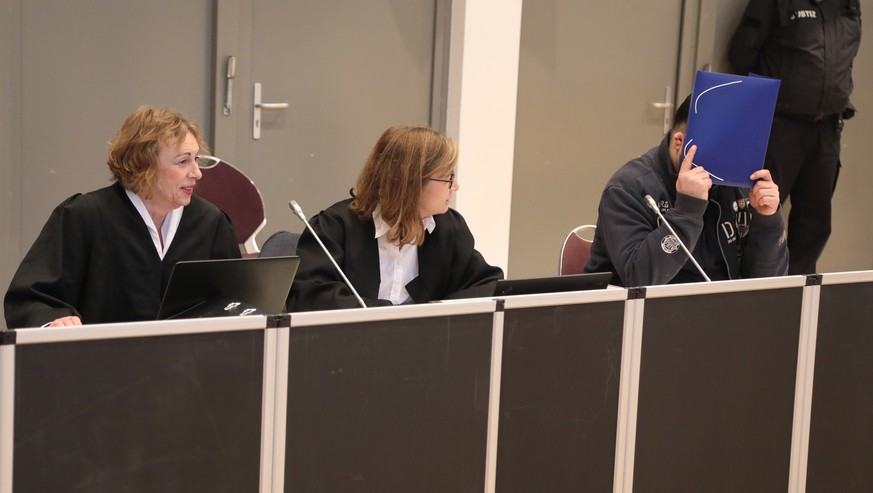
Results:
<point x="729" y="121"/>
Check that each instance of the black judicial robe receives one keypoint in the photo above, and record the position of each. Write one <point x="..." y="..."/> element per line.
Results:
<point x="95" y="259"/>
<point x="448" y="264"/>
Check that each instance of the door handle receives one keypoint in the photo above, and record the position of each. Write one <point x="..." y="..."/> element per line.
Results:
<point x="228" y="95"/>
<point x="260" y="106"/>
<point x="271" y="106"/>
<point x="667" y="106"/>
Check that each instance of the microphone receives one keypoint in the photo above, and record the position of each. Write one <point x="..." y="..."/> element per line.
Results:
<point x="299" y="213"/>
<point x="652" y="205"/>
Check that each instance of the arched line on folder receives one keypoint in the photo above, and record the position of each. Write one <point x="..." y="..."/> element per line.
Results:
<point x="685" y="153"/>
<point x="696" y="100"/>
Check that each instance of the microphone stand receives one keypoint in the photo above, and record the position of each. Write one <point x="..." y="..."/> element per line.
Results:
<point x="299" y="213"/>
<point x="652" y="205"/>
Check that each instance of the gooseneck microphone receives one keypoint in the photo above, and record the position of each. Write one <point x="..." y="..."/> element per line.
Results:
<point x="299" y="213"/>
<point x="652" y="205"/>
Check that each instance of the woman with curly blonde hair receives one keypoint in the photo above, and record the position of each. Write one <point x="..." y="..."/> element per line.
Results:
<point x="106" y="256"/>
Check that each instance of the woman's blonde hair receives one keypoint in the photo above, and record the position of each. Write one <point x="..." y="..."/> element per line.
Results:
<point x="394" y="174"/>
<point x="133" y="153"/>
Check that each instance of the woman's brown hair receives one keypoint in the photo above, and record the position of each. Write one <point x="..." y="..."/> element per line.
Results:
<point x="394" y="174"/>
<point x="133" y="153"/>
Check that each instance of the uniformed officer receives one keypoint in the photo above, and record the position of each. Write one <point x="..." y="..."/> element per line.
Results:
<point x="809" y="45"/>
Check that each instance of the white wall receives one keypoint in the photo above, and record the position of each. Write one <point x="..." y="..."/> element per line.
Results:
<point x="483" y="82"/>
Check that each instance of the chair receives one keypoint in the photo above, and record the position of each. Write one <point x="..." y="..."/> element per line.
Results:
<point x="232" y="191"/>
<point x="576" y="250"/>
<point x="280" y="244"/>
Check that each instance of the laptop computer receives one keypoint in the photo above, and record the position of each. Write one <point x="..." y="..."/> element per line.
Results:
<point x="208" y="288"/>
<point x="539" y="285"/>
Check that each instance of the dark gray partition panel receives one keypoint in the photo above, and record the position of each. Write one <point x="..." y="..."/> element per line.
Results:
<point x="559" y="398"/>
<point x="716" y="393"/>
<point x="177" y="413"/>
<point x="396" y="405"/>
<point x="841" y="427"/>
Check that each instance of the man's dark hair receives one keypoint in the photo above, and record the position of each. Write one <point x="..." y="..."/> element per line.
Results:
<point x="680" y="118"/>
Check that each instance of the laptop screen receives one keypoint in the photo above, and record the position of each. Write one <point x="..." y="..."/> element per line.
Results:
<point x="577" y="282"/>
<point x="260" y="283"/>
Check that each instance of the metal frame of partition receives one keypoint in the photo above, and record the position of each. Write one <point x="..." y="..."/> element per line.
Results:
<point x="278" y="331"/>
<point x="839" y="429"/>
<point x="625" y="433"/>
<point x="803" y="392"/>
<point x="7" y="411"/>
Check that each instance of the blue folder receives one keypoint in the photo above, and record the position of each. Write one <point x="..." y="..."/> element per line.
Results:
<point x="729" y="121"/>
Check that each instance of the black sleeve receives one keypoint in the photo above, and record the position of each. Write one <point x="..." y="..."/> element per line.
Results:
<point x="473" y="277"/>
<point x="317" y="285"/>
<point x="766" y="252"/>
<point x="48" y="282"/>
<point x="751" y="34"/>
<point x="449" y="267"/>
<point x="224" y="243"/>
<point x="636" y="244"/>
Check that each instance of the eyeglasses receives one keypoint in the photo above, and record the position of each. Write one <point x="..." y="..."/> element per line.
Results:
<point x="450" y="181"/>
<point x="206" y="162"/>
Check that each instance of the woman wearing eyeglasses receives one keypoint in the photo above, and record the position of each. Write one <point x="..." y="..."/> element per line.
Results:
<point x="396" y="239"/>
<point x="106" y="256"/>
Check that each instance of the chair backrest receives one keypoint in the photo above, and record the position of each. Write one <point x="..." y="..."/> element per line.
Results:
<point x="280" y="244"/>
<point x="233" y="192"/>
<point x="576" y="250"/>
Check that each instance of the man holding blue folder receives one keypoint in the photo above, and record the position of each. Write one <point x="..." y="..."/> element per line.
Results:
<point x="732" y="232"/>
